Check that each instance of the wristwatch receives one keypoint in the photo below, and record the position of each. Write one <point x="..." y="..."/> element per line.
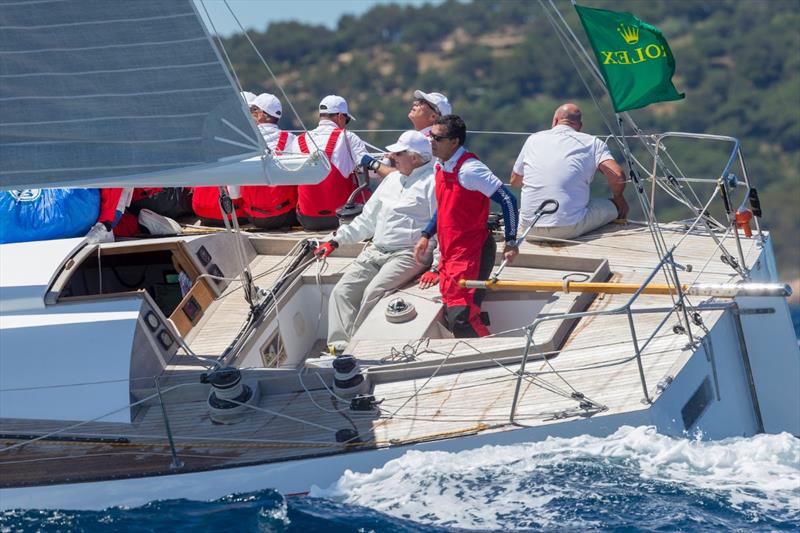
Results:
<point x="512" y="243"/>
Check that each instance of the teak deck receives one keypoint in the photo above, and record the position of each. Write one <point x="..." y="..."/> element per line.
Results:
<point x="425" y="408"/>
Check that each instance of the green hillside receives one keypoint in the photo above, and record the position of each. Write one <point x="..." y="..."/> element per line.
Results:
<point x="504" y="69"/>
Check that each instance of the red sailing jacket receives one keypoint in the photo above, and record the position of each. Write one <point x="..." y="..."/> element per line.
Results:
<point x="205" y="204"/>
<point x="461" y="230"/>
<point x="265" y="201"/>
<point x="324" y="198"/>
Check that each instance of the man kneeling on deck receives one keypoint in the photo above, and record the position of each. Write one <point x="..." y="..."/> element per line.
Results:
<point x="394" y="218"/>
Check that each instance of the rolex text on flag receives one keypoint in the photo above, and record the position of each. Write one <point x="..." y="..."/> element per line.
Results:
<point x="634" y="58"/>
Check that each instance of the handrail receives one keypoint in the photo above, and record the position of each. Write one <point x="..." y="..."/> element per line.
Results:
<point x="623" y="309"/>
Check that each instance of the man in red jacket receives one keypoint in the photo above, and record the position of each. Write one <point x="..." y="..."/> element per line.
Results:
<point x="464" y="186"/>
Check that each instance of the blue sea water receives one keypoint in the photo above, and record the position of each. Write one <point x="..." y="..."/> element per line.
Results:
<point x="633" y="480"/>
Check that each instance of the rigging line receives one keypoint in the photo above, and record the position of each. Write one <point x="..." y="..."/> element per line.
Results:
<point x="275" y="78"/>
<point x="95" y="419"/>
<point x="221" y="46"/>
<point x="311" y="397"/>
<point x="562" y="38"/>
<point x="626" y="149"/>
<point x="280" y="415"/>
<point x="416" y="392"/>
<point x="592" y="67"/>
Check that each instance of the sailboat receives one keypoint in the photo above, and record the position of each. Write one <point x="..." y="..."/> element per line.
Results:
<point x="118" y="388"/>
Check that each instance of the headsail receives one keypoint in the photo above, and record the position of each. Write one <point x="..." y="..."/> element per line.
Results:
<point x="94" y="92"/>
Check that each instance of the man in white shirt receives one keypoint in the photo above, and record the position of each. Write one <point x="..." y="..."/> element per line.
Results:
<point x="270" y="207"/>
<point x="560" y="164"/>
<point x="394" y="218"/>
<point x="317" y="204"/>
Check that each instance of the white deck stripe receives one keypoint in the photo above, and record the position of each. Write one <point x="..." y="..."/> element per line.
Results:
<point x="108" y="71"/>
<point x="97" y="119"/>
<point x="94" y="22"/>
<point x="113" y="95"/>
<point x="104" y="47"/>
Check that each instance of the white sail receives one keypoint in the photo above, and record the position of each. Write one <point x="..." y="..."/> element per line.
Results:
<point x="121" y="93"/>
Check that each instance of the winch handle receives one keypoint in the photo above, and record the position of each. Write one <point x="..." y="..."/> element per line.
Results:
<point x="544" y="210"/>
<point x="541" y="210"/>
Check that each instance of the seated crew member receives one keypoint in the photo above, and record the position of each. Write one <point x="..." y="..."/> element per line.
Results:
<point x="270" y="207"/>
<point x="464" y="186"/>
<point x="123" y="214"/>
<point x="317" y="204"/>
<point x="560" y="163"/>
<point x="394" y="218"/>
<point x="205" y="200"/>
<point x="425" y="109"/>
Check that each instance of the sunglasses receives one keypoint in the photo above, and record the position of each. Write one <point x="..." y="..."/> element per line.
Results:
<point x="254" y="109"/>
<point x="438" y="138"/>
<point x="347" y="118"/>
<point x="426" y="103"/>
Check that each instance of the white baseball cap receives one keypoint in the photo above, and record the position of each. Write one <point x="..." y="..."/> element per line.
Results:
<point x="269" y="104"/>
<point x="412" y="141"/>
<point x="333" y="104"/>
<point x="437" y="100"/>
<point x="248" y="97"/>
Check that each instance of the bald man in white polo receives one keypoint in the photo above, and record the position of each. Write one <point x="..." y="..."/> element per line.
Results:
<point x="560" y="164"/>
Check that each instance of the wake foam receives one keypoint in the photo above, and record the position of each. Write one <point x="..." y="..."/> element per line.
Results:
<point x="634" y="476"/>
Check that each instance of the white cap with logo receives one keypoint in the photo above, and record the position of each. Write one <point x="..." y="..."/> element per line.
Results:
<point x="411" y="141"/>
<point x="333" y="104"/>
<point x="269" y="104"/>
<point x="248" y="97"/>
<point x="437" y="100"/>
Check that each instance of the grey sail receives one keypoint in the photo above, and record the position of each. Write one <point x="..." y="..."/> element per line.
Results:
<point x="103" y="92"/>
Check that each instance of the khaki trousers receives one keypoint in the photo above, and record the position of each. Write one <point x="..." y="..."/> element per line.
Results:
<point x="368" y="278"/>
<point x="599" y="212"/>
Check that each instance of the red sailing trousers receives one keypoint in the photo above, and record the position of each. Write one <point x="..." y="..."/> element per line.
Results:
<point x="462" y="232"/>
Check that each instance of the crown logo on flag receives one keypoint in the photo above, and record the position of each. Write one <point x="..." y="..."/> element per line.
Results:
<point x="629" y="33"/>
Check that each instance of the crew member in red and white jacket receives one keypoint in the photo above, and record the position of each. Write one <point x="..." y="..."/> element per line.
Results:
<point x="464" y="186"/>
<point x="270" y="207"/>
<point x="317" y="204"/>
<point x="205" y="200"/>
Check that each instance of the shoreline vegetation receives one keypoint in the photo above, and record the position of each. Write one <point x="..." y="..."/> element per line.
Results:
<point x="503" y="68"/>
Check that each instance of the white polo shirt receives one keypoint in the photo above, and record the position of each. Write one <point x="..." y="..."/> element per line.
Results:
<point x="474" y="175"/>
<point x="270" y="132"/>
<point x="558" y="163"/>
<point x="396" y="213"/>
<point x="348" y="150"/>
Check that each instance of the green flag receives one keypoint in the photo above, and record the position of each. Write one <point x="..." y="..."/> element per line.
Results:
<point x="634" y="58"/>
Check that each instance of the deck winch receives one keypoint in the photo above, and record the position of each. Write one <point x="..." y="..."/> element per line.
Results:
<point x="398" y="311"/>
<point x="228" y="399"/>
<point x="348" y="381"/>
